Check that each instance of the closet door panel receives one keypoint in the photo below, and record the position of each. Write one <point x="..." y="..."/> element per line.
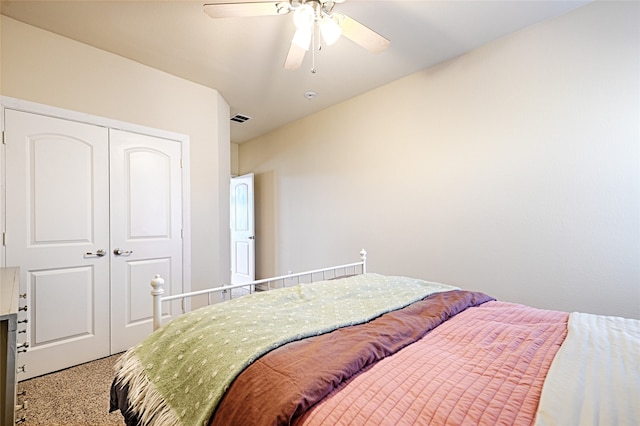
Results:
<point x="51" y="289"/>
<point x="138" y="288"/>
<point x="57" y="212"/>
<point x="146" y="227"/>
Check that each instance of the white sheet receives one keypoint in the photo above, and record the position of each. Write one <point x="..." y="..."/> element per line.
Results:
<point x="595" y="377"/>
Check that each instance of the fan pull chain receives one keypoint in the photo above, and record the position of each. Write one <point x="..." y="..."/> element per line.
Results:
<point x="313" y="50"/>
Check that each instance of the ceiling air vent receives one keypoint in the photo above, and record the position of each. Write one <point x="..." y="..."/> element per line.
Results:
<point x="239" y="118"/>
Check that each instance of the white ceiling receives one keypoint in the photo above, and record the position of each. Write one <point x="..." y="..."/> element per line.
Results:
<point x="242" y="57"/>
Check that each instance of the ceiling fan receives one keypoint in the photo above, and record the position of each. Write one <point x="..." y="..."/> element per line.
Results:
<point x="308" y="15"/>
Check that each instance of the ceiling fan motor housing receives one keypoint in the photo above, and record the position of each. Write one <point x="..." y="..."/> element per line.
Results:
<point x="320" y="8"/>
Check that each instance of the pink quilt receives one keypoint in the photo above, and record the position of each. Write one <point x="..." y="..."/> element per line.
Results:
<point x="485" y="366"/>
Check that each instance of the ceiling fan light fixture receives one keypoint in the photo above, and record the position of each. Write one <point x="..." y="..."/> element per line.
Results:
<point x="330" y="30"/>
<point x="304" y="17"/>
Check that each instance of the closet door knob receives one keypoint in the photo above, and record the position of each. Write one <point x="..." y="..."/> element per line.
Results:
<point x="120" y="252"/>
<point x="99" y="253"/>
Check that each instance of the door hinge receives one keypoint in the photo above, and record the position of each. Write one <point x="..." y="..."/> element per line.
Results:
<point x="4" y="140"/>
<point x="181" y="162"/>
<point x="4" y="238"/>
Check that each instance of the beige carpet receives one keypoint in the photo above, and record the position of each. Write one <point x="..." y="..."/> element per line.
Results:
<point x="77" y="396"/>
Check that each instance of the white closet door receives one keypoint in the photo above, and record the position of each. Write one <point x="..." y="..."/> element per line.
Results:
<point x="146" y="228"/>
<point x="57" y="212"/>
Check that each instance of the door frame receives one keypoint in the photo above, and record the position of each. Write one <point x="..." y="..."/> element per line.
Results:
<point x="55" y="112"/>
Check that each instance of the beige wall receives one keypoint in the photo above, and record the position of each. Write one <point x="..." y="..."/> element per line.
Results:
<point x="39" y="66"/>
<point x="514" y="170"/>
<point x="234" y="159"/>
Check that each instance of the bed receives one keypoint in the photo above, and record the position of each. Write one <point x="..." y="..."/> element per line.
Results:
<point x="345" y="346"/>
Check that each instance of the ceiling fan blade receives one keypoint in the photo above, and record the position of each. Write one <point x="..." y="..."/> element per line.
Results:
<point x="362" y="35"/>
<point x="295" y="57"/>
<point x="299" y="46"/>
<point x="243" y="9"/>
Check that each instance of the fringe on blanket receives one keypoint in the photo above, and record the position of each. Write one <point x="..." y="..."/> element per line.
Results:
<point x="143" y="398"/>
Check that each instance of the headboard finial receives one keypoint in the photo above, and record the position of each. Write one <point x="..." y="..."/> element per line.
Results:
<point x="363" y="257"/>
<point x="157" y="283"/>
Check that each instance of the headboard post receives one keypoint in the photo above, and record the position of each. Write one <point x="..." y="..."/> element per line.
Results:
<point x="157" y="283"/>
<point x="363" y="257"/>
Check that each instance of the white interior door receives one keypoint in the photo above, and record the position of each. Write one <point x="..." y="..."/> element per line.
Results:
<point x="242" y="230"/>
<point x="57" y="212"/>
<point x="146" y="228"/>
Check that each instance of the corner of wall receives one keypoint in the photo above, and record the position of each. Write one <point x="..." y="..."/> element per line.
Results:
<point x="224" y="176"/>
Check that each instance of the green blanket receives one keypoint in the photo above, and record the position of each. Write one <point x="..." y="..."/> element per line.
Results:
<point x="177" y="375"/>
